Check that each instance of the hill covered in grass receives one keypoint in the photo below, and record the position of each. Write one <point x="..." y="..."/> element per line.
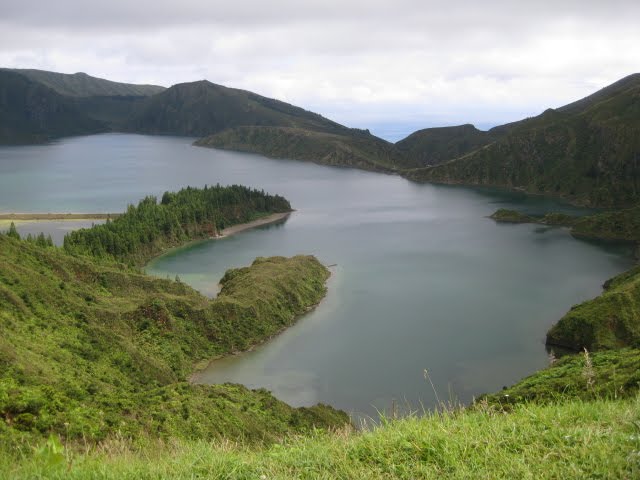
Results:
<point x="587" y="152"/>
<point x="91" y="350"/>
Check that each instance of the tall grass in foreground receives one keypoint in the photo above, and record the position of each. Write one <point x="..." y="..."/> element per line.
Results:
<point x="577" y="439"/>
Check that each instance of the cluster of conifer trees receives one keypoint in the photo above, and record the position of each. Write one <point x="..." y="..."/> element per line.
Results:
<point x="41" y="240"/>
<point x="189" y="214"/>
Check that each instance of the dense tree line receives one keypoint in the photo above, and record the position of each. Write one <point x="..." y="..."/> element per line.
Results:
<point x="189" y="214"/>
<point x="39" y="239"/>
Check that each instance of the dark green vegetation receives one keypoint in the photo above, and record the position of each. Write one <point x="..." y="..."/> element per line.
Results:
<point x="83" y="85"/>
<point x="504" y="215"/>
<point x="617" y="225"/>
<point x="146" y="230"/>
<point x="621" y="225"/>
<point x="587" y="152"/>
<point x="31" y="112"/>
<point x="92" y="350"/>
<point x="37" y="106"/>
<point x="432" y="146"/>
<point x="348" y="147"/>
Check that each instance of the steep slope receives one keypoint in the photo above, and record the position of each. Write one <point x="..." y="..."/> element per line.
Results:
<point x="113" y="111"/>
<point x="432" y="146"/>
<point x="202" y="108"/>
<point x="603" y="94"/>
<point x="31" y="112"/>
<point x="82" y="85"/>
<point x="587" y="152"/>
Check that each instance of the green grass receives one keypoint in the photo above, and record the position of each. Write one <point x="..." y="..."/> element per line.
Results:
<point x="602" y="375"/>
<point x="577" y="439"/>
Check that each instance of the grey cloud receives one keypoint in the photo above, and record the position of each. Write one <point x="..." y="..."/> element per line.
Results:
<point x="455" y="60"/>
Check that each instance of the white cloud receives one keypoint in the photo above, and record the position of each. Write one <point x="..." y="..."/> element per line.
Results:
<point x="360" y="62"/>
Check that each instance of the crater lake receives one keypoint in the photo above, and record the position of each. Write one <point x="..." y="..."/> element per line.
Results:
<point x="422" y="280"/>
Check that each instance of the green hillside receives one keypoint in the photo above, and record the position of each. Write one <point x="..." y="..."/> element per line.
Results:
<point x="92" y="350"/>
<point x="82" y="85"/>
<point x="432" y="146"/>
<point x="31" y="112"/>
<point x="587" y="152"/>
<point x="349" y="147"/>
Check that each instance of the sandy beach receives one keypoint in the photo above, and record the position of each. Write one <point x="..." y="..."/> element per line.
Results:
<point x="274" y="218"/>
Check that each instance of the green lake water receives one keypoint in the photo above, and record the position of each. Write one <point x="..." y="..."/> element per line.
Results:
<point x="423" y="279"/>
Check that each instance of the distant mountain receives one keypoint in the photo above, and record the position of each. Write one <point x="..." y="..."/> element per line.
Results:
<point x="432" y="146"/>
<point x="83" y="85"/>
<point x="203" y="108"/>
<point x="587" y="152"/>
<point x="239" y="120"/>
<point x="31" y="112"/>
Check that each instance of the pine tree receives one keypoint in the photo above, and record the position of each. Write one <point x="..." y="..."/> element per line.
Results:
<point x="13" y="233"/>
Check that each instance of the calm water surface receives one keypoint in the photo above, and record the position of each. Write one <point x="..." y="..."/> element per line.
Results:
<point x="423" y="280"/>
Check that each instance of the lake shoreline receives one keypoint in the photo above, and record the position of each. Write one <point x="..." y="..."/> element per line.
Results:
<point x="204" y="365"/>
<point x="228" y="232"/>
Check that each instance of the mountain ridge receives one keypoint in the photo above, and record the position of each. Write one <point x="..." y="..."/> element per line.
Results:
<point x="587" y="152"/>
<point x="80" y="84"/>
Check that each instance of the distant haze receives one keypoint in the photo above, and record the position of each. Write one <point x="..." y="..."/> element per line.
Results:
<point x="392" y="67"/>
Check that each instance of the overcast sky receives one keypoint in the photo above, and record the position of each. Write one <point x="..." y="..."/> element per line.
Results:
<point x="393" y="66"/>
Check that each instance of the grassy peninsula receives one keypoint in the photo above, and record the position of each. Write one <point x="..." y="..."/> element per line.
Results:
<point x="92" y="350"/>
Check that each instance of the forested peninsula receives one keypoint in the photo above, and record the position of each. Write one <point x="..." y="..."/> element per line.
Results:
<point x="146" y="230"/>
